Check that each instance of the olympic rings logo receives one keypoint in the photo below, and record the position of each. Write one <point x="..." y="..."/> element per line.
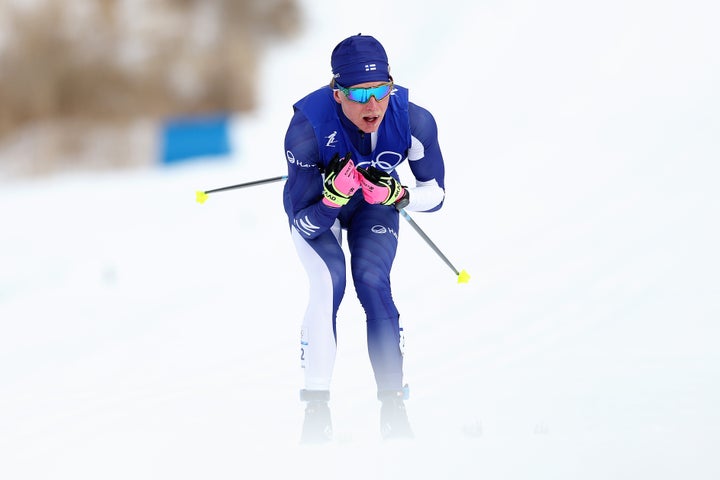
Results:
<point x="386" y="161"/>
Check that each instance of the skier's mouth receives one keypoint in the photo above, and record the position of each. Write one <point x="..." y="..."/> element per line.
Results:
<point x="369" y="123"/>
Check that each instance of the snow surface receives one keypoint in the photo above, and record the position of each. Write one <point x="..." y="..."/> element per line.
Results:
<point x="145" y="336"/>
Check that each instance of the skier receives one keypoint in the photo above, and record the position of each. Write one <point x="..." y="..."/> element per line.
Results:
<point x="342" y="146"/>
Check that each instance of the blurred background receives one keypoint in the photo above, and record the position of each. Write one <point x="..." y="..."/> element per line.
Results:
<point x="145" y="336"/>
<point x="98" y="84"/>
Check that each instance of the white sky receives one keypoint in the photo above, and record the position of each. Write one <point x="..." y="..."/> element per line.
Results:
<point x="145" y="336"/>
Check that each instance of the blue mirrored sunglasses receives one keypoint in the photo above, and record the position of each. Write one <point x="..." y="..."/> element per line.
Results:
<point x="362" y="95"/>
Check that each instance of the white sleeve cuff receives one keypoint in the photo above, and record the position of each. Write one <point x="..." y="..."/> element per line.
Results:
<point x="425" y="196"/>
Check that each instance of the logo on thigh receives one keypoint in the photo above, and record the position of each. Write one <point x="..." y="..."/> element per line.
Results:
<point x="382" y="230"/>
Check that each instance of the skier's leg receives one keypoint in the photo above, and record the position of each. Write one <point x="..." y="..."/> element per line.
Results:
<point x="372" y="239"/>
<point x="324" y="262"/>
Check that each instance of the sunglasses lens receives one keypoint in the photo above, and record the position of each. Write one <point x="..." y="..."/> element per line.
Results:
<point x="381" y="91"/>
<point x="359" y="95"/>
<point x="362" y="95"/>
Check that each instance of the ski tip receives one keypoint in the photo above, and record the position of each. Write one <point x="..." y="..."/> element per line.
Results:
<point x="200" y="197"/>
<point x="463" y="277"/>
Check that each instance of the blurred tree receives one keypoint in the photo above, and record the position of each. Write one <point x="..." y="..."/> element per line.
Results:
<point x="113" y="60"/>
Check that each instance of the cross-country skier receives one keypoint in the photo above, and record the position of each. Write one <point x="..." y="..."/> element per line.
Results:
<point x="342" y="146"/>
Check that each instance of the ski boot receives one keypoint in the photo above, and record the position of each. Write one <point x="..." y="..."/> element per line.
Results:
<point x="317" y="426"/>
<point x="393" y="417"/>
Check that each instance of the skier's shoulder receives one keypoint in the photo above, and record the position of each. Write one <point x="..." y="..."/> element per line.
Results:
<point x="422" y="122"/>
<point x="301" y="148"/>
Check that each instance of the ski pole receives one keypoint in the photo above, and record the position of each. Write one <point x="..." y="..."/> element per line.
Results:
<point x="201" y="196"/>
<point x="463" y="276"/>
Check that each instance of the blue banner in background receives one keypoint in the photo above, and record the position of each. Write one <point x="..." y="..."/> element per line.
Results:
<point x="191" y="137"/>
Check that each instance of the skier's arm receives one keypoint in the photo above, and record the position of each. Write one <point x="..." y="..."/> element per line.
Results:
<point x="304" y="186"/>
<point x="426" y="162"/>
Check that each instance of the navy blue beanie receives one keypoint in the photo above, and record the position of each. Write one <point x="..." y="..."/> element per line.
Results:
<point x="359" y="59"/>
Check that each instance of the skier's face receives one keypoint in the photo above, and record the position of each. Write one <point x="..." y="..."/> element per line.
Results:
<point x="366" y="116"/>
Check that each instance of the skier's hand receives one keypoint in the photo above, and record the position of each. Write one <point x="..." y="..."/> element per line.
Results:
<point x="380" y="187"/>
<point x="341" y="181"/>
